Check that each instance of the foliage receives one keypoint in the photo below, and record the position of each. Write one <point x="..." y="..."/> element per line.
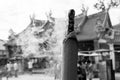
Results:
<point x="101" y="5"/>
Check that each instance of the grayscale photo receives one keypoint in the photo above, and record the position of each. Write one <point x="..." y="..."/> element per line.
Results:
<point x="60" y="40"/>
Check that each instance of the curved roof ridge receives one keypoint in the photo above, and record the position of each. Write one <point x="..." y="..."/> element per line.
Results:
<point x="29" y="26"/>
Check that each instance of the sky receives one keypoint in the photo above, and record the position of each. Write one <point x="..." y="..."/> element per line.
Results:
<point x="14" y="14"/>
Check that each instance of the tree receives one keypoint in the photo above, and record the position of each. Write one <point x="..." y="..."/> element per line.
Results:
<point x="101" y="5"/>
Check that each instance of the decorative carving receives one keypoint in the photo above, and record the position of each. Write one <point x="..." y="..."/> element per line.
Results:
<point x="99" y="27"/>
<point x="71" y="16"/>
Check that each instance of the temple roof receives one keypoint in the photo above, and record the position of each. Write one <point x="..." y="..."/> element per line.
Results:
<point x="88" y="30"/>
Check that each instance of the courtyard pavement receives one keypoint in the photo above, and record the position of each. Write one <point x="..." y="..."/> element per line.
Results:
<point x="44" y="77"/>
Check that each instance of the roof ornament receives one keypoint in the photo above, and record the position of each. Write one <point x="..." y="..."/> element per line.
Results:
<point x="11" y="34"/>
<point x="32" y="19"/>
<point x="99" y="25"/>
<point x="49" y="16"/>
<point x="84" y="10"/>
<point x="84" y="19"/>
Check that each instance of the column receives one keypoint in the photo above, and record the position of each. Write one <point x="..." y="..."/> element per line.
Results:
<point x="112" y="54"/>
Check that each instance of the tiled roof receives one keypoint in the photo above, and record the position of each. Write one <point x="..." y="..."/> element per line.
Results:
<point x="88" y="31"/>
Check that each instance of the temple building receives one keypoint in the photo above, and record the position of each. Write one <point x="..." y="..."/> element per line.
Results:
<point x="95" y="33"/>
